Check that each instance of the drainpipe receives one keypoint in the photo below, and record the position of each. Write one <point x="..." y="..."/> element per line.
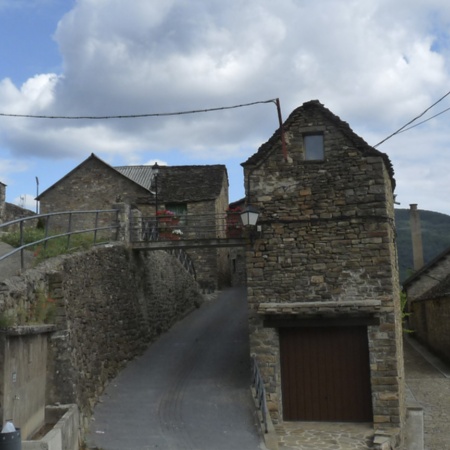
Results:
<point x="416" y="236"/>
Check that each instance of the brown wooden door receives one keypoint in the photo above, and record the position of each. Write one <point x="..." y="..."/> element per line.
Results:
<point x="325" y="374"/>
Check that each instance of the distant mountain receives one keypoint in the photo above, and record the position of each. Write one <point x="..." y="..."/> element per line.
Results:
<point x="435" y="237"/>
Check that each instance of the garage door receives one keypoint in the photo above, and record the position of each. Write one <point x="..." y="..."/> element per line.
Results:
<point x="325" y="374"/>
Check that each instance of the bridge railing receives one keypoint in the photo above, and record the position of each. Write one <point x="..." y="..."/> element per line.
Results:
<point x="101" y="226"/>
<point x="170" y="227"/>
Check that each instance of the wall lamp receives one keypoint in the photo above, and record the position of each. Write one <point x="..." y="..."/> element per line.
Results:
<point x="249" y="218"/>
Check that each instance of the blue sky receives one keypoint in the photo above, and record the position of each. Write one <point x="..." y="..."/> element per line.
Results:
<point x="376" y="64"/>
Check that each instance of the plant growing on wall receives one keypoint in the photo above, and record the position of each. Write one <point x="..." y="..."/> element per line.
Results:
<point x="405" y="313"/>
<point x="41" y="310"/>
<point x="167" y="225"/>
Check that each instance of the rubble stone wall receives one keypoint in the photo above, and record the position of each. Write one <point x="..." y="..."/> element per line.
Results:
<point x="110" y="304"/>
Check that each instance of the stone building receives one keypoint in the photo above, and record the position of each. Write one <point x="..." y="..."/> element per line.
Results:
<point x="188" y="191"/>
<point x="322" y="276"/>
<point x="2" y="201"/>
<point x="428" y="294"/>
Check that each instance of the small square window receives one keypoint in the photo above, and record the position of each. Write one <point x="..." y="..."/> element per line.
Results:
<point x="313" y="144"/>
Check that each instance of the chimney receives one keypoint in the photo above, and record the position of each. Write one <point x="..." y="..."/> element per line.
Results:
<point x="416" y="236"/>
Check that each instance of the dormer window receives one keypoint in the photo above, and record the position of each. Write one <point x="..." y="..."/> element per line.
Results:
<point x="313" y="145"/>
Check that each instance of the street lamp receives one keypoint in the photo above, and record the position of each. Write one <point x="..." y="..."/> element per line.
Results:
<point x="155" y="171"/>
<point x="249" y="216"/>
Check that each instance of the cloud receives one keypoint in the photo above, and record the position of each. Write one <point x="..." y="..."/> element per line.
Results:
<point x="375" y="64"/>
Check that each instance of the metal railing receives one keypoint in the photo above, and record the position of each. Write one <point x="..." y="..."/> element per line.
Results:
<point x="184" y="259"/>
<point x="63" y="224"/>
<point x="184" y="227"/>
<point x="260" y="392"/>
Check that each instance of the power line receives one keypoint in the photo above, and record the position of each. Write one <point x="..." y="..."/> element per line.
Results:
<point x="411" y="121"/>
<point x="137" y="116"/>
<point x="424" y="121"/>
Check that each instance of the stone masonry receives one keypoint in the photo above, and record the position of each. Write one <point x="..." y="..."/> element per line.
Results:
<point x="111" y="303"/>
<point x="326" y="251"/>
<point x="2" y="201"/>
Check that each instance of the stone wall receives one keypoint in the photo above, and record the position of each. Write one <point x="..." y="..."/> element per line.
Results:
<point x="111" y="303"/>
<point x="2" y="202"/>
<point x="430" y="320"/>
<point x="106" y="187"/>
<point x="328" y="238"/>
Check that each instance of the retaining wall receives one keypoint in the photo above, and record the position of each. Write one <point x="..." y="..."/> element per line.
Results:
<point x="110" y="304"/>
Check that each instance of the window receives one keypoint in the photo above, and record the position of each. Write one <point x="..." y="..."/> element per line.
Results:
<point x="180" y="210"/>
<point x="313" y="145"/>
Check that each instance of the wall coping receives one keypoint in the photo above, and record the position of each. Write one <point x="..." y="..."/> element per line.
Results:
<point x="24" y="330"/>
<point x="342" y="307"/>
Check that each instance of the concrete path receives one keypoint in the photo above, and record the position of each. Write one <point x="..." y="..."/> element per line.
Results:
<point x="190" y="390"/>
<point x="11" y="266"/>
<point x="429" y="384"/>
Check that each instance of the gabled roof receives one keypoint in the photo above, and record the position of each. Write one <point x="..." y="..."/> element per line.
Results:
<point x="305" y="113"/>
<point x="91" y="157"/>
<point x="177" y="184"/>
<point x="142" y="175"/>
<point x="442" y="289"/>
<point x="425" y="268"/>
<point x="191" y="183"/>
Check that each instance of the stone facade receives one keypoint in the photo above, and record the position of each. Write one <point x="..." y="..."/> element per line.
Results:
<point x="94" y="185"/>
<point x="2" y="201"/>
<point x="428" y="294"/>
<point x="326" y="251"/>
<point x="111" y="303"/>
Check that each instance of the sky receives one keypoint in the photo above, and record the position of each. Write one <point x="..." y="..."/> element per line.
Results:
<point x="376" y="64"/>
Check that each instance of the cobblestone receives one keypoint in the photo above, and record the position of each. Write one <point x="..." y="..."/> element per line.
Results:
<point x="324" y="436"/>
<point x="430" y="388"/>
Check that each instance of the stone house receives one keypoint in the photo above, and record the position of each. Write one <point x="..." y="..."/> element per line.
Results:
<point x="428" y="294"/>
<point x="237" y="254"/>
<point x="322" y="275"/>
<point x="2" y="201"/>
<point x="185" y="190"/>
<point x="9" y="211"/>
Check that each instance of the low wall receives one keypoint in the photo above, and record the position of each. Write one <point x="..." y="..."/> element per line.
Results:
<point x="23" y="353"/>
<point x="110" y="303"/>
<point x="64" y="435"/>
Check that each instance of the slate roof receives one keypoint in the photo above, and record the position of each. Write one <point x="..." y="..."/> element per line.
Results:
<point x="190" y="183"/>
<point x="180" y="184"/>
<point x="176" y="184"/>
<point x="442" y="289"/>
<point x="307" y="110"/>
<point x="425" y="268"/>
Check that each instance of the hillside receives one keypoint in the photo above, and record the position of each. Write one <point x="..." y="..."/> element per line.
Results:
<point x="435" y="237"/>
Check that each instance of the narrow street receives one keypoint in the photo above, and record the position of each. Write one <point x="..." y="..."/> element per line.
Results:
<point x="189" y="390"/>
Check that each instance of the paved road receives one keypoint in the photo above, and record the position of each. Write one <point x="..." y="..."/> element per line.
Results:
<point x="429" y="382"/>
<point x="190" y="390"/>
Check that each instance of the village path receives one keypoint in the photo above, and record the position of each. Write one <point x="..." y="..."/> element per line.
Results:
<point x="428" y="383"/>
<point x="189" y="390"/>
<point x="10" y="266"/>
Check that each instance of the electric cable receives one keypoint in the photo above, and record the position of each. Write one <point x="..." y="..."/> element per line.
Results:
<point x="411" y="121"/>
<point x="136" y="116"/>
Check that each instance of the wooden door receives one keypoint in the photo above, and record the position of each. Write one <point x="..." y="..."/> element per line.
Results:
<point x="325" y="374"/>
